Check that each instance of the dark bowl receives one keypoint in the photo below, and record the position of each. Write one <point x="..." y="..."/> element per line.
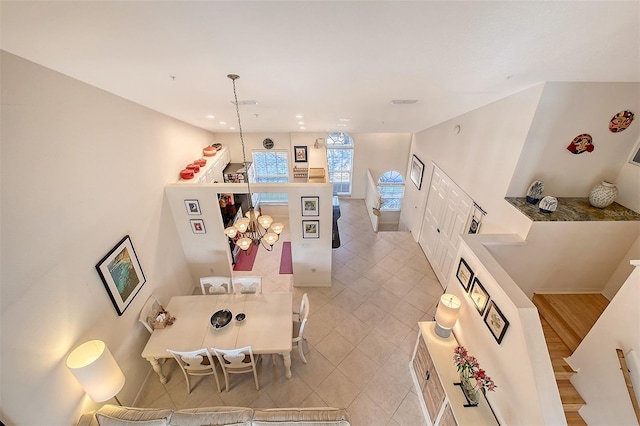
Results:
<point x="240" y="317"/>
<point x="221" y="318"/>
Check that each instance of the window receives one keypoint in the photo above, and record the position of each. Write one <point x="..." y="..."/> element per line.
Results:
<point x="391" y="189"/>
<point x="340" y="162"/>
<point x="271" y="167"/>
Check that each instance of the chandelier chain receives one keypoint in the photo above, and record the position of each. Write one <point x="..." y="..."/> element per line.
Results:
<point x="233" y="78"/>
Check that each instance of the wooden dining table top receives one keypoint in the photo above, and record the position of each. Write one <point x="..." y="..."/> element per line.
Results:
<point x="268" y="326"/>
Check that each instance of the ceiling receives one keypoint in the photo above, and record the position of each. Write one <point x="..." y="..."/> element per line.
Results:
<point x="337" y="63"/>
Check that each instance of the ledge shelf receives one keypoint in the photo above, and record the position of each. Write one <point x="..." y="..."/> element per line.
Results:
<point x="574" y="209"/>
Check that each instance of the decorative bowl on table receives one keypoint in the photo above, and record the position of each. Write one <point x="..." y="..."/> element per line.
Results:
<point x="221" y="318"/>
<point x="240" y="317"/>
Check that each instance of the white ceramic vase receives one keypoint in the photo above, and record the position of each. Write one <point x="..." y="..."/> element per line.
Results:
<point x="603" y="194"/>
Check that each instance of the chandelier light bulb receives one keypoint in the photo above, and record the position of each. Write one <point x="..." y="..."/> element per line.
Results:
<point x="242" y="224"/>
<point x="277" y="228"/>
<point x="265" y="221"/>
<point x="244" y="243"/>
<point x="270" y="238"/>
<point x="252" y="214"/>
<point x="231" y="231"/>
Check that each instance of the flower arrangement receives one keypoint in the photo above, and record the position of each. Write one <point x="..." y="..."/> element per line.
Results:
<point x="469" y="369"/>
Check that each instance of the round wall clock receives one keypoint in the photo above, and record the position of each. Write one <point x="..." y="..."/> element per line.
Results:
<point x="267" y="143"/>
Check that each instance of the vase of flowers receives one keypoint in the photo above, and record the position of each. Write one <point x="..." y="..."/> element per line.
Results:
<point x="473" y="379"/>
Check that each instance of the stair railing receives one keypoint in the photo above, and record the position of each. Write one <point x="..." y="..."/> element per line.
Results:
<point x="627" y="380"/>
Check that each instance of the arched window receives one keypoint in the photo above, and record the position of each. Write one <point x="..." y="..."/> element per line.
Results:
<point x="340" y="161"/>
<point x="391" y="189"/>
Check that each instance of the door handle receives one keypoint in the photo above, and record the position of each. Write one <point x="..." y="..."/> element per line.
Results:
<point x="428" y="375"/>
<point x="438" y="230"/>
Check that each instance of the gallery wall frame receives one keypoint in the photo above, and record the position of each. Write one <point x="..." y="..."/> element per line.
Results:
<point x="300" y="154"/>
<point x="417" y="171"/>
<point x="310" y="229"/>
<point x="479" y="296"/>
<point x="193" y="207"/>
<point x="121" y="274"/>
<point x="310" y="206"/>
<point x="464" y="274"/>
<point x="197" y="226"/>
<point x="496" y="321"/>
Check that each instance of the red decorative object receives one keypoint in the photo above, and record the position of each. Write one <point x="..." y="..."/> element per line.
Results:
<point x="193" y="167"/>
<point x="581" y="143"/>
<point x="620" y="121"/>
<point x="186" y="174"/>
<point x="200" y="162"/>
<point x="209" y="151"/>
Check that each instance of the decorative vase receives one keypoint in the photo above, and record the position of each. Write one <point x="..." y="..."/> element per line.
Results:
<point x="471" y="391"/>
<point x="603" y="194"/>
<point x="534" y="193"/>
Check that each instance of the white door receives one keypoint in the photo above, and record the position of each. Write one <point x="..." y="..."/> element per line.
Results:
<point x="446" y="215"/>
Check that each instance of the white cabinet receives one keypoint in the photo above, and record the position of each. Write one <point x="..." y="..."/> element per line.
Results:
<point x="212" y="171"/>
<point x="446" y="216"/>
<point x="434" y="374"/>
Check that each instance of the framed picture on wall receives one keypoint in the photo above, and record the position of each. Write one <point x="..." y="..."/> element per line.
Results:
<point x="310" y="206"/>
<point x="496" y="322"/>
<point x="300" y="153"/>
<point x="417" y="170"/>
<point x="197" y="226"/>
<point x="193" y="206"/>
<point x="479" y="296"/>
<point x="310" y="229"/>
<point x="121" y="274"/>
<point x="464" y="274"/>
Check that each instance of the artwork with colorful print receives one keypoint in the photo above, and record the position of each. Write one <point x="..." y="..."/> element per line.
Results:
<point x="620" y="121"/>
<point x="581" y="143"/>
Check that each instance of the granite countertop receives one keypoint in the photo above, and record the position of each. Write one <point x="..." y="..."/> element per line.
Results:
<point x="576" y="209"/>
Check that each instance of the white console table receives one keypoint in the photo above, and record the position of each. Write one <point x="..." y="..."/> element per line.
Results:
<point x="434" y="374"/>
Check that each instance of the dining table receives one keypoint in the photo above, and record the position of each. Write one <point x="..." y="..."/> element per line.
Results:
<point x="267" y="326"/>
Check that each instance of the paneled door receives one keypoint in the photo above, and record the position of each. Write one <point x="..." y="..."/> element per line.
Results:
<point x="446" y="216"/>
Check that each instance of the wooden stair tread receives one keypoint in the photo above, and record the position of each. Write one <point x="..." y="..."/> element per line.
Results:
<point x="571" y="399"/>
<point x="574" y="419"/>
<point x="557" y="321"/>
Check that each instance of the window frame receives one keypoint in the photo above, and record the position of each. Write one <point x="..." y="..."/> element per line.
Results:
<point x="391" y="184"/>
<point x="350" y="146"/>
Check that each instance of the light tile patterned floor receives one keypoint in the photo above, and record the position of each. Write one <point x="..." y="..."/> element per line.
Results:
<point x="361" y="333"/>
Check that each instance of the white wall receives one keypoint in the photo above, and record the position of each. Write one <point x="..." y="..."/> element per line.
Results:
<point x="526" y="391"/>
<point x="81" y="168"/>
<point x="628" y="183"/>
<point x="567" y="110"/>
<point x="599" y="379"/>
<point x="481" y="159"/>
<point x="623" y="270"/>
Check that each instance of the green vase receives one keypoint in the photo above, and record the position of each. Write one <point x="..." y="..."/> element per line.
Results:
<point x="470" y="389"/>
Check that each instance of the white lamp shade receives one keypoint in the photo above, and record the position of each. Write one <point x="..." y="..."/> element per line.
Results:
<point x="277" y="228"/>
<point x="96" y="370"/>
<point x="242" y="224"/>
<point x="265" y="221"/>
<point x="231" y="231"/>
<point x="270" y="238"/>
<point x="447" y="312"/>
<point x="244" y="243"/>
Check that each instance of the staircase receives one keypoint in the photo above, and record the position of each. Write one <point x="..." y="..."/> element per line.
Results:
<point x="566" y="319"/>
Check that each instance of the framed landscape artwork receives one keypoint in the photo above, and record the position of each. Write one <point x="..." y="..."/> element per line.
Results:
<point x="464" y="274"/>
<point x="310" y="206"/>
<point x="496" y="322"/>
<point x="310" y="229"/>
<point x="121" y="274"/>
<point x="417" y="170"/>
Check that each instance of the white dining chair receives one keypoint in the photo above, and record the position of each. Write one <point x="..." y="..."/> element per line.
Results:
<point x="247" y="284"/>
<point x="299" y="326"/>
<point x="216" y="285"/>
<point x="237" y="361"/>
<point x="196" y="363"/>
<point x="149" y="311"/>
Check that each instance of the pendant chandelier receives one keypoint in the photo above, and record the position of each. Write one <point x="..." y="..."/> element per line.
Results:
<point x="253" y="229"/>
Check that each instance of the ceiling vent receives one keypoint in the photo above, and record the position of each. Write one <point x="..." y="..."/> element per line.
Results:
<point x="246" y="102"/>
<point x="404" y="101"/>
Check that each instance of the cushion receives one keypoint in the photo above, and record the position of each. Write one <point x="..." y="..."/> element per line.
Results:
<point x="313" y="416"/>
<point x="111" y="415"/>
<point x="212" y="416"/>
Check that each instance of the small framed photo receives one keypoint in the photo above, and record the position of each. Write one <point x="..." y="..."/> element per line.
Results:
<point x="300" y="153"/>
<point x="310" y="229"/>
<point x="193" y="206"/>
<point x="310" y="206"/>
<point x="197" y="226"/>
<point x="479" y="296"/>
<point x="474" y="226"/>
<point x="121" y="274"/>
<point x="464" y="274"/>
<point x="496" y="321"/>
<point x="417" y="170"/>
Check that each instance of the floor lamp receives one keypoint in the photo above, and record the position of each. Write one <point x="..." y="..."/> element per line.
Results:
<point x="96" y="370"/>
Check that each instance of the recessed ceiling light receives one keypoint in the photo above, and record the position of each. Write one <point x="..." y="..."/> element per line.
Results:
<point x="404" y="101"/>
<point x="341" y="125"/>
<point x="345" y="119"/>
<point x="300" y="122"/>
<point x="222" y="123"/>
<point x="210" y="116"/>
<point x="299" y="116"/>
<point x="232" y="128"/>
